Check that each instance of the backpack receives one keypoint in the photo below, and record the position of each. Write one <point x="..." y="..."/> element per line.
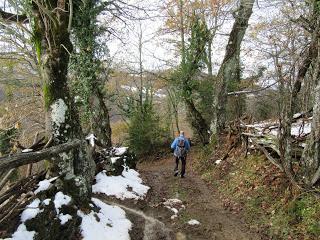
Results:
<point x="180" y="149"/>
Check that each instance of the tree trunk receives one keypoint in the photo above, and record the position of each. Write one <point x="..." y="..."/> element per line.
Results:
<point x="311" y="155"/>
<point x="88" y="68"/>
<point x="289" y="102"/>
<point x="198" y="122"/>
<point x="285" y="139"/>
<point x="63" y="121"/>
<point x="230" y="68"/>
<point x="100" y="121"/>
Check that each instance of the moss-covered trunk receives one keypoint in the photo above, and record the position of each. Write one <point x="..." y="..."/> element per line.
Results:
<point x="197" y="122"/>
<point x="312" y="154"/>
<point x="229" y="71"/>
<point x="99" y="119"/>
<point x="88" y="69"/>
<point x="76" y="167"/>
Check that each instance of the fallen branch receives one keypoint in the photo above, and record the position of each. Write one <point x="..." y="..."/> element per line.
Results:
<point x="251" y="91"/>
<point x="6" y="178"/>
<point x="268" y="155"/>
<point x="33" y="157"/>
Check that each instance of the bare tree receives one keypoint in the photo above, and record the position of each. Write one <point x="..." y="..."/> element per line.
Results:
<point x="230" y="68"/>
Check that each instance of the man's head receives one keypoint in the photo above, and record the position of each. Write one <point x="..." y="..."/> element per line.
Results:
<point x="181" y="133"/>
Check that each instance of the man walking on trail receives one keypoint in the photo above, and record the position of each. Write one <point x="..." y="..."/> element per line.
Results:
<point x="180" y="146"/>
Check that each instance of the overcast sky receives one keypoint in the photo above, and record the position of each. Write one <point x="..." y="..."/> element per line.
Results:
<point x="158" y="54"/>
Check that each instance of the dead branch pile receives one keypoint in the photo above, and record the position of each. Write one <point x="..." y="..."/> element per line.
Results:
<point x="263" y="136"/>
<point x="14" y="200"/>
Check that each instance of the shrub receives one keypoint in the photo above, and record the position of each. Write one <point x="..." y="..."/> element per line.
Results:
<point x="145" y="132"/>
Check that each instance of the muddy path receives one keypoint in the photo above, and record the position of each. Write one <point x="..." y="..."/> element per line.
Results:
<point x="201" y="203"/>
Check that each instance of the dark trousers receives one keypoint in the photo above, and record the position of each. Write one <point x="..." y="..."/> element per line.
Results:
<point x="183" y="167"/>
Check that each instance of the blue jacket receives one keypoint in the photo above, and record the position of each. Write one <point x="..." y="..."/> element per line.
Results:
<point x="175" y="142"/>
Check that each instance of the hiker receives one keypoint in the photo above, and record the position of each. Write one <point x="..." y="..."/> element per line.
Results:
<point x="180" y="147"/>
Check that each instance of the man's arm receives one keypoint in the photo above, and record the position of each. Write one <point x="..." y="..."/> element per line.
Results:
<point x="174" y="144"/>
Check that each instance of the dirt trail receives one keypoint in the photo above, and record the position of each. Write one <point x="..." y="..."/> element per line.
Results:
<point x="202" y="203"/>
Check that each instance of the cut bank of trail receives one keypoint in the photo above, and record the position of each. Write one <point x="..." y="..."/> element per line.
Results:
<point x="201" y="203"/>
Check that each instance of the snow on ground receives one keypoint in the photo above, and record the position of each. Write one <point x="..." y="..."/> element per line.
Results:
<point x="109" y="223"/>
<point x="299" y="128"/>
<point x="44" y="185"/>
<point x="129" y="88"/>
<point x="218" y="161"/>
<point x="46" y="201"/>
<point x="64" y="218"/>
<point x="114" y="159"/>
<point x="31" y="211"/>
<point x="22" y="233"/>
<point x="127" y="185"/>
<point x="27" y="150"/>
<point x="194" y="222"/>
<point x="61" y="199"/>
<point x="120" y="151"/>
<point x="175" y="205"/>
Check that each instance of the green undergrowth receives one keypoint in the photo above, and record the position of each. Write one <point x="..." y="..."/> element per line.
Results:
<point x="258" y="190"/>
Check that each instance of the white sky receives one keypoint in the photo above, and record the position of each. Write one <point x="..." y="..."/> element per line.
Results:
<point x="156" y="52"/>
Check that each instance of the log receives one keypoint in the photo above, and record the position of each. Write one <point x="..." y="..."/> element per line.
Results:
<point x="268" y="155"/>
<point x="19" y="187"/>
<point x="21" y="159"/>
<point x="5" y="179"/>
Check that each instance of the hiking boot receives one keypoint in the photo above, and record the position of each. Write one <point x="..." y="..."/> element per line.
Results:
<point x="176" y="173"/>
<point x="182" y="176"/>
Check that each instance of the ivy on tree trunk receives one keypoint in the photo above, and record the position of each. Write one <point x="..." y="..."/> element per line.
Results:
<point x="229" y="71"/>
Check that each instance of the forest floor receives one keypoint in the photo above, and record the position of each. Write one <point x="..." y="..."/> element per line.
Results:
<point x="201" y="202"/>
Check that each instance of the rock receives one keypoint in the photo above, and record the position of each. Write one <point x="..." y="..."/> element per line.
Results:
<point x="113" y="160"/>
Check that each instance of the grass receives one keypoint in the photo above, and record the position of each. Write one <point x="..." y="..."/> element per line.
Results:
<point x="270" y="204"/>
<point x="177" y="191"/>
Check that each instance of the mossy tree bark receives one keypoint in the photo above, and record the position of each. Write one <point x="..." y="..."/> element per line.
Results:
<point x="229" y="71"/>
<point x="51" y="23"/>
<point x="311" y="155"/>
<point x="192" y="59"/>
<point x="289" y="102"/>
<point x="88" y="68"/>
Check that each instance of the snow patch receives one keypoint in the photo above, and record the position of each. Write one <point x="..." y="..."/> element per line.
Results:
<point x="175" y="205"/>
<point x="23" y="234"/>
<point x="299" y="128"/>
<point x="194" y="222"/>
<point x="31" y="210"/>
<point x="44" y="185"/>
<point x="64" y="218"/>
<point x="109" y="223"/>
<point x="127" y="185"/>
<point x="61" y="199"/>
<point x="27" y="150"/>
<point x="91" y="138"/>
<point x="114" y="159"/>
<point x="129" y="88"/>
<point x="120" y="151"/>
<point x="46" y="201"/>
<point x="218" y="161"/>
<point x="297" y="115"/>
